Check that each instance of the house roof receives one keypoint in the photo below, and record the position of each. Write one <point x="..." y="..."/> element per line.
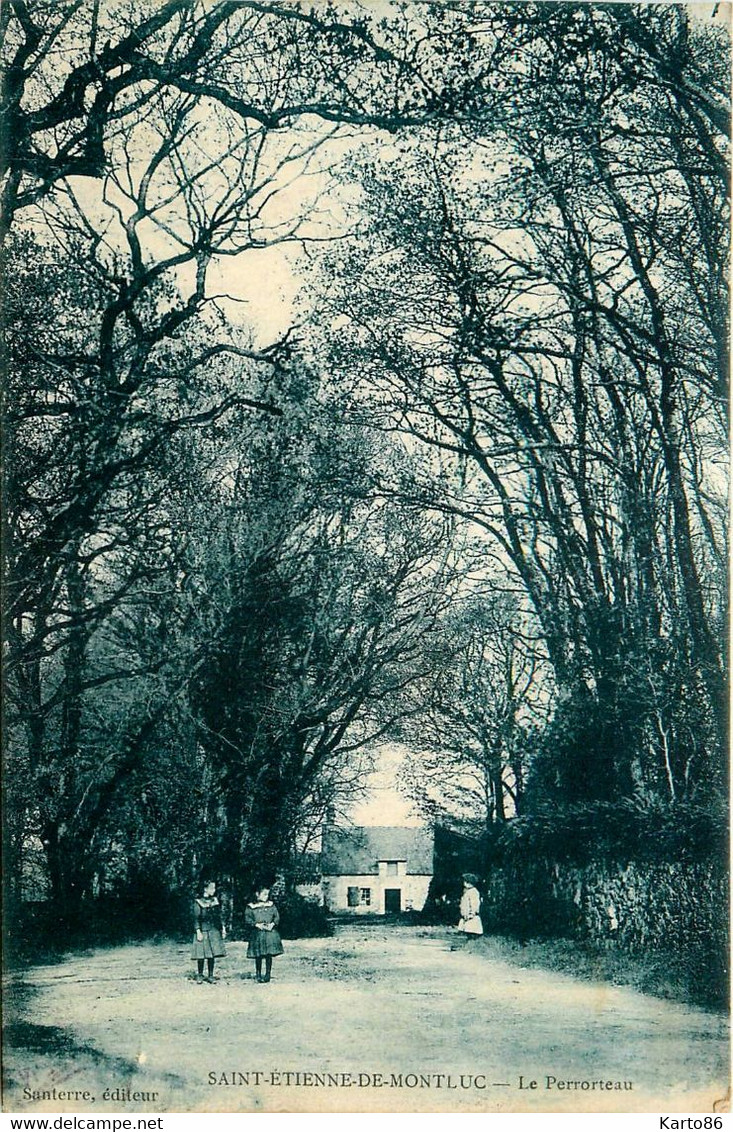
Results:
<point x="358" y="850"/>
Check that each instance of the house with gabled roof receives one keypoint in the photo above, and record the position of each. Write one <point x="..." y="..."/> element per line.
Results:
<point x="376" y="870"/>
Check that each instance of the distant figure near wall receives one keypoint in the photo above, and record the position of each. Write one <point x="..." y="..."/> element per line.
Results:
<point x="470" y="908"/>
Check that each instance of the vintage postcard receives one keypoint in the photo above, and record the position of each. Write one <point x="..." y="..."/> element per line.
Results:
<point x="365" y="567"/>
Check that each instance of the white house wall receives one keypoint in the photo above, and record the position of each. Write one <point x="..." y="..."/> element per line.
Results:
<point x="313" y="893"/>
<point x="414" y="889"/>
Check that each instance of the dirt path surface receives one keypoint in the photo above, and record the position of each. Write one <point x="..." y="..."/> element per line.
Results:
<point x="379" y="1018"/>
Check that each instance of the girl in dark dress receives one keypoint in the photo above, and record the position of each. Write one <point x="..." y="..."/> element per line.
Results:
<point x="262" y="918"/>
<point x="208" y="931"/>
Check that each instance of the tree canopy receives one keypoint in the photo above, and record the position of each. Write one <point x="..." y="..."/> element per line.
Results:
<point x="472" y="498"/>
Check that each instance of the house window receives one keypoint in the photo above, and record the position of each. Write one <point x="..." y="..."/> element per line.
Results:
<point x="352" y="896"/>
<point x="366" y="896"/>
<point x="392" y="868"/>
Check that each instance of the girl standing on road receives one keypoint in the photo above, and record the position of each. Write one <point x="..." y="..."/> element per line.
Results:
<point x="262" y="918"/>
<point x="208" y="931"/>
<point x="470" y="921"/>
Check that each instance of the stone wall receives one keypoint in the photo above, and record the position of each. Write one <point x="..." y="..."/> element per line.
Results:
<point x="645" y="908"/>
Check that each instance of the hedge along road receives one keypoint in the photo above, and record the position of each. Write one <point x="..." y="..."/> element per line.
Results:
<point x="378" y="1018"/>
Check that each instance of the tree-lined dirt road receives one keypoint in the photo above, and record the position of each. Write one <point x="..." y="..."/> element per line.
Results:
<point x="379" y="1018"/>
